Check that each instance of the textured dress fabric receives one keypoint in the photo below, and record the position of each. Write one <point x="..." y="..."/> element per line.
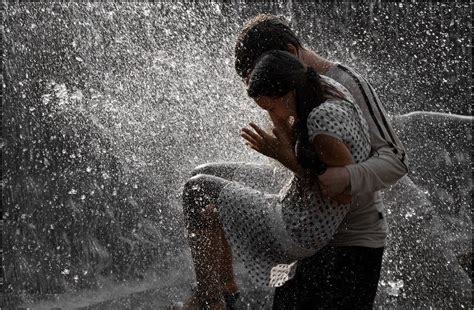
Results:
<point x="269" y="231"/>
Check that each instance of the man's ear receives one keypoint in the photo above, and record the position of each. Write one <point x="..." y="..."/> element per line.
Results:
<point x="292" y="49"/>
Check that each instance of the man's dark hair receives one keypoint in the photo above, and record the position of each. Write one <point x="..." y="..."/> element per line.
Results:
<point x="262" y="33"/>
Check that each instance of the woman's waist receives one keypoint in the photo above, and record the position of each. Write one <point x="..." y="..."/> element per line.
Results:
<point x="364" y="213"/>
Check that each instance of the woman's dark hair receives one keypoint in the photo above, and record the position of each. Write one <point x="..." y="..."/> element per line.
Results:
<point x="275" y="74"/>
<point x="262" y="33"/>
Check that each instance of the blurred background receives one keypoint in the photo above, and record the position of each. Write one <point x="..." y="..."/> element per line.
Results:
<point x="108" y="106"/>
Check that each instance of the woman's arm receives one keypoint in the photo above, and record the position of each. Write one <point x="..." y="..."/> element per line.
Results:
<point x="331" y="151"/>
<point x="334" y="153"/>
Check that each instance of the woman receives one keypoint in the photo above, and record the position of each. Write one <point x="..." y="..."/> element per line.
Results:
<point x="315" y="125"/>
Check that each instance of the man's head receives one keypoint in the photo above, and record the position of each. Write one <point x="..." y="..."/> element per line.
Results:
<point x="262" y="33"/>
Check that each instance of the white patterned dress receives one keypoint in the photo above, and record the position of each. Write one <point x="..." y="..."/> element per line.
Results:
<point x="269" y="232"/>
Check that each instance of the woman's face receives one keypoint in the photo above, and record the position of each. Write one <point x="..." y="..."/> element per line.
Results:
<point x="279" y="109"/>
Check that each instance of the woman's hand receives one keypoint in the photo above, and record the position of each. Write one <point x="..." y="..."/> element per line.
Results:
<point x="277" y="146"/>
<point x="284" y="126"/>
<point x="335" y="154"/>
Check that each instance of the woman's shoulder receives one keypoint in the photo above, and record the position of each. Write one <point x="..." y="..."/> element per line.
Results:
<point x="328" y="118"/>
<point x="333" y="108"/>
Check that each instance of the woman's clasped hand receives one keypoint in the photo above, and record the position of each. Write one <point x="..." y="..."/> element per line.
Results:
<point x="276" y="145"/>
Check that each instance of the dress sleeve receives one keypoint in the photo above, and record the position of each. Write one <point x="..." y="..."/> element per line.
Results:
<point x="330" y="119"/>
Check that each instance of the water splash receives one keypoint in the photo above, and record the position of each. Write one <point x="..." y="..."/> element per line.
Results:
<point x="117" y="102"/>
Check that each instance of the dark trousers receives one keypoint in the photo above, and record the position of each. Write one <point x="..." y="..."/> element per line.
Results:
<point x="333" y="278"/>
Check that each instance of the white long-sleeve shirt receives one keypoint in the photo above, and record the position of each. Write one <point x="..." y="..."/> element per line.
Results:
<point x="365" y="224"/>
<point x="388" y="162"/>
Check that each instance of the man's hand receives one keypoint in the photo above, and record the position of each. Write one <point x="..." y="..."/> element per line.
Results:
<point x="334" y="181"/>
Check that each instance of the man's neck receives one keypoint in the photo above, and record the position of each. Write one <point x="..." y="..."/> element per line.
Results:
<point x="310" y="58"/>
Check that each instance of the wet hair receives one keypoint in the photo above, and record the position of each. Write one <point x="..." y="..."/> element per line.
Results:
<point x="262" y="33"/>
<point x="276" y="73"/>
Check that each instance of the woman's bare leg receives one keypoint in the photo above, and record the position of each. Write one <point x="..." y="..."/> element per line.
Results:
<point x="226" y="269"/>
<point x="226" y="170"/>
<point x="240" y="172"/>
<point x="204" y="244"/>
<point x="223" y="170"/>
<point x="211" y="253"/>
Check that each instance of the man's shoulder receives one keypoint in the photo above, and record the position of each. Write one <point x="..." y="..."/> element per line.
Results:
<point x="350" y="78"/>
<point x="337" y="69"/>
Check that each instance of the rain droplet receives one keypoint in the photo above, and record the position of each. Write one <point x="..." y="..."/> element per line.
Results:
<point x="395" y="287"/>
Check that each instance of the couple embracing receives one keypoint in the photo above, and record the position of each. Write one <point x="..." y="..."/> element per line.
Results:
<point x="319" y="239"/>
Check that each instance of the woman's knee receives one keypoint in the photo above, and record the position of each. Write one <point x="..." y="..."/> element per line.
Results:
<point x="203" y="187"/>
<point x="223" y="170"/>
<point x="198" y="194"/>
<point x="208" y="168"/>
<point x="193" y="190"/>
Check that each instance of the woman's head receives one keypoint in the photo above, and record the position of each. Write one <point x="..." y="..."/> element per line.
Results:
<point x="275" y="74"/>
<point x="280" y="79"/>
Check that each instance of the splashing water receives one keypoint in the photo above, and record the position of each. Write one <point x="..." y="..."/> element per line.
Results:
<point x="108" y="107"/>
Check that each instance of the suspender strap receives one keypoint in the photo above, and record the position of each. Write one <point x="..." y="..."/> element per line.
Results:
<point x="376" y="102"/>
<point x="366" y="98"/>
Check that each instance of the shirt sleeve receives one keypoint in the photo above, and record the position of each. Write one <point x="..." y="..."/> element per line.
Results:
<point x="388" y="162"/>
<point x="380" y="171"/>
<point x="327" y="119"/>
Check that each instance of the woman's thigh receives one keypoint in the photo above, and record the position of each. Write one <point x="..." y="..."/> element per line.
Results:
<point x="264" y="177"/>
<point x="201" y="192"/>
<point x="223" y="170"/>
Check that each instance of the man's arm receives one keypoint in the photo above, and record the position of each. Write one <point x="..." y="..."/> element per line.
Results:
<point x="378" y="172"/>
<point x="388" y="162"/>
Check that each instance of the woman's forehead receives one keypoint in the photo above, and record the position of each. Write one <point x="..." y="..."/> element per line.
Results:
<point x="266" y="102"/>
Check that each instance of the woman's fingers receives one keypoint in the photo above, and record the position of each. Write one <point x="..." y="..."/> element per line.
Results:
<point x="275" y="132"/>
<point x="260" y="141"/>
<point x="280" y="136"/>
<point x="253" y="147"/>
<point x="262" y="133"/>
<point x="249" y="138"/>
<point x="252" y="134"/>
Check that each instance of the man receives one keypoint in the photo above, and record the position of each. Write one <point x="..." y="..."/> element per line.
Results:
<point x="363" y="181"/>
